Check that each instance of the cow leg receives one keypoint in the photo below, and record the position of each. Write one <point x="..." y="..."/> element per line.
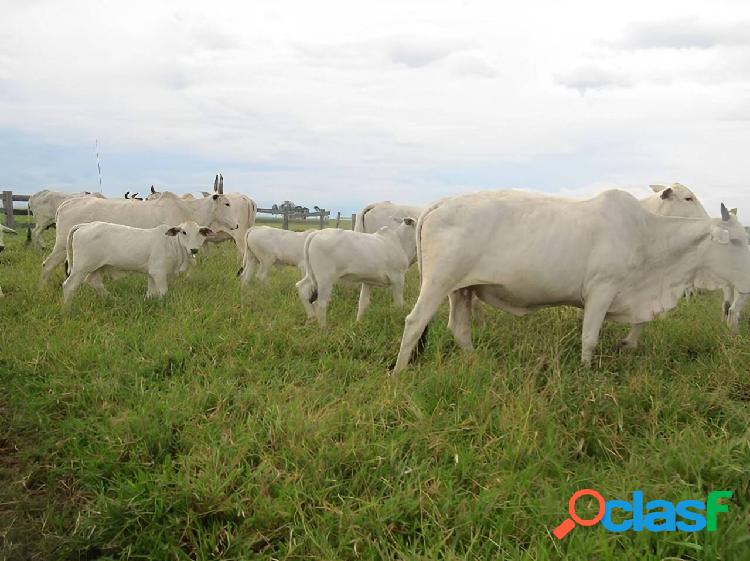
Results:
<point x="728" y="292"/>
<point x="430" y="297"/>
<point x="459" y="318"/>
<point x="96" y="281"/>
<point x="321" y="304"/>
<point x="594" y="312"/>
<point x="397" y="289"/>
<point x="631" y="340"/>
<point x="53" y="260"/>
<point x="305" y="290"/>
<point x="733" y="315"/>
<point x="160" y="285"/>
<point x="477" y="310"/>
<point x="364" y="300"/>
<point x="70" y="286"/>
<point x="248" y="268"/>
<point x="265" y="267"/>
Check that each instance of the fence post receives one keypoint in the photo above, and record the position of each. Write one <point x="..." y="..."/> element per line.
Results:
<point x="8" y="208"/>
<point x="354" y="220"/>
<point x="338" y="218"/>
<point x="322" y="218"/>
<point x="286" y="219"/>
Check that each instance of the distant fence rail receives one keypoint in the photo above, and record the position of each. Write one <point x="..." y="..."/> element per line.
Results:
<point x="10" y="212"/>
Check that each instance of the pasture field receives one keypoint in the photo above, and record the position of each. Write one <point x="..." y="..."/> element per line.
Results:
<point x="216" y="425"/>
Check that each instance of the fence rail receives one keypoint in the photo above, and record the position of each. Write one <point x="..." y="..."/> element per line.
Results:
<point x="10" y="212"/>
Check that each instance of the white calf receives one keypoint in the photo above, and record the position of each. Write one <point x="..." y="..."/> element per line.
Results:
<point x="379" y="259"/>
<point x="96" y="248"/>
<point x="267" y="246"/>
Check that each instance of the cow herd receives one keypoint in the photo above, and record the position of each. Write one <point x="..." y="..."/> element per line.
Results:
<point x="614" y="256"/>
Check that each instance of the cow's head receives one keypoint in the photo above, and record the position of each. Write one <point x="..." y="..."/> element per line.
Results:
<point x="4" y="230"/>
<point x="729" y="254"/>
<point x="676" y="200"/>
<point x="223" y="215"/>
<point x="190" y="236"/>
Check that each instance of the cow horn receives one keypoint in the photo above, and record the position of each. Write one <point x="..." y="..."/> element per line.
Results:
<point x="216" y="184"/>
<point x="126" y="194"/>
<point x="724" y="213"/>
<point x="221" y="184"/>
<point x="153" y="191"/>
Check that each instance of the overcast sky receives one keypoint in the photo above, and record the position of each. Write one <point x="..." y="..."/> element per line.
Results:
<point x="340" y="103"/>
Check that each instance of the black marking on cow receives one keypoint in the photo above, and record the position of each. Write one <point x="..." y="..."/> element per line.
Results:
<point x="313" y="296"/>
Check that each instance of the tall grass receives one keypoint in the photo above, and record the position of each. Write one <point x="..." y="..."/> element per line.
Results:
<point x="217" y="425"/>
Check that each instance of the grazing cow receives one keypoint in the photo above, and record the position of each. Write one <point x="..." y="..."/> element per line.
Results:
<point x="98" y="248"/>
<point x="4" y="230"/>
<point x="521" y="251"/>
<point x="266" y="246"/>
<point x="168" y="209"/>
<point x="44" y="204"/>
<point x="379" y="259"/>
<point x="371" y="219"/>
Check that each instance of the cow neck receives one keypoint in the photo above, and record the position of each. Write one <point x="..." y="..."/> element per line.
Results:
<point x="678" y="244"/>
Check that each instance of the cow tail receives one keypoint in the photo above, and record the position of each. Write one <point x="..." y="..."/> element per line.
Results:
<point x="309" y="277"/>
<point x="69" y="249"/>
<point x="359" y="220"/>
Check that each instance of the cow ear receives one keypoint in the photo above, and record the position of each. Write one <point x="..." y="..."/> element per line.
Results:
<point x="216" y="183"/>
<point x="657" y="188"/>
<point x="206" y="231"/>
<point x="215" y="196"/>
<point x="172" y="231"/>
<point x="720" y="235"/>
<point x="724" y="213"/>
<point x="733" y="212"/>
<point x="666" y="193"/>
<point x="205" y="193"/>
<point x="409" y="221"/>
<point x="126" y="194"/>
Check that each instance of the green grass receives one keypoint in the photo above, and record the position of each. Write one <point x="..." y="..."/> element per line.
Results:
<point x="216" y="425"/>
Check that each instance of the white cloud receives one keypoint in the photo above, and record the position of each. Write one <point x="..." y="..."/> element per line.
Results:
<point x="360" y="100"/>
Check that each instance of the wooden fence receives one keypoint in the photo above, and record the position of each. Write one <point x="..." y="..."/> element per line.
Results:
<point x="10" y="212"/>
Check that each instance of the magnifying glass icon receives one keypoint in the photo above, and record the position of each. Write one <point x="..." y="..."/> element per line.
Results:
<point x="569" y="523"/>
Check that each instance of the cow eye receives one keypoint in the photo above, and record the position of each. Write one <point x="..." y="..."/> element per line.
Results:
<point x="226" y="204"/>
<point x="184" y="233"/>
<point x="689" y="199"/>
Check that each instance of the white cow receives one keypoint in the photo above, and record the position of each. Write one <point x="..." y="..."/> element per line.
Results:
<point x="521" y="251"/>
<point x="678" y="200"/>
<point x="379" y="259"/>
<point x="244" y="209"/>
<point x="371" y="219"/>
<point x="98" y="248"/>
<point x="4" y="230"/>
<point x="267" y="246"/>
<point x="44" y="204"/>
<point x="168" y="209"/>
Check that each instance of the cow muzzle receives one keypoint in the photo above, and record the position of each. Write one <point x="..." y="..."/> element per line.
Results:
<point x="194" y="251"/>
